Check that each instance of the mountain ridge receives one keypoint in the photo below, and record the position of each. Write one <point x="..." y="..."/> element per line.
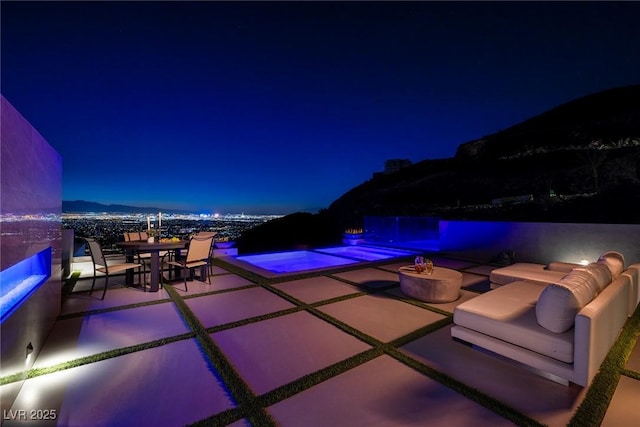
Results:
<point x="587" y="149"/>
<point x="71" y="206"/>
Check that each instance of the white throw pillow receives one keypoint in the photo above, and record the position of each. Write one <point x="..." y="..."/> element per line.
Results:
<point x="559" y="302"/>
<point x="615" y="261"/>
<point x="600" y="272"/>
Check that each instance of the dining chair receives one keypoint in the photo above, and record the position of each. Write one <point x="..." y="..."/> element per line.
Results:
<point x="181" y="253"/>
<point x="101" y="265"/>
<point x="198" y="254"/>
<point x="144" y="258"/>
<point x="207" y="234"/>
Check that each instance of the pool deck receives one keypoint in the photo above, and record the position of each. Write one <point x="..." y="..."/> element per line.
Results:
<point x="337" y="348"/>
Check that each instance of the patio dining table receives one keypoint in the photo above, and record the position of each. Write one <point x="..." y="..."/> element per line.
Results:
<point x="154" y="249"/>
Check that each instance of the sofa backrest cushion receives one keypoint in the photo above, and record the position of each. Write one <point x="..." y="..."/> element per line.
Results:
<point x="615" y="261"/>
<point x="600" y="272"/>
<point x="564" y="267"/>
<point x="559" y="302"/>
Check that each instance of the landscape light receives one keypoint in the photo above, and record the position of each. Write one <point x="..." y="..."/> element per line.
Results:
<point x="29" y="351"/>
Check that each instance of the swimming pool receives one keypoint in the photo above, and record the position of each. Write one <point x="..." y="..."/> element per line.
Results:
<point x="366" y="253"/>
<point x="294" y="261"/>
<point x="289" y="262"/>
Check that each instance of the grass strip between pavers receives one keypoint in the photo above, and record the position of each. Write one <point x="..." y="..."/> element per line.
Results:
<point x="241" y="393"/>
<point x="594" y="406"/>
<point x="110" y="309"/>
<point x="95" y="358"/>
<point x="631" y="374"/>
<point x="219" y="291"/>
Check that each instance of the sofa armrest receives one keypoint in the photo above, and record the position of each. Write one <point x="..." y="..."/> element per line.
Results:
<point x="633" y="271"/>
<point x="597" y="327"/>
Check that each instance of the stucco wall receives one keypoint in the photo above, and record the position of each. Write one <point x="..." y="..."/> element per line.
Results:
<point x="30" y="222"/>
<point x="539" y="242"/>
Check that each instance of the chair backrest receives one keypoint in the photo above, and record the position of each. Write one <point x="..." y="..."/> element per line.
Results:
<point x="143" y="235"/>
<point x="132" y="236"/>
<point x="199" y="248"/>
<point x="206" y="233"/>
<point x="96" y="252"/>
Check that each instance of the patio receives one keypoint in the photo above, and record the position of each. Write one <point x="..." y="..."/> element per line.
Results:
<point x="342" y="347"/>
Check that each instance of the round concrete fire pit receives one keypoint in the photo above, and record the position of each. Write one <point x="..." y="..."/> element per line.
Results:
<point x="443" y="285"/>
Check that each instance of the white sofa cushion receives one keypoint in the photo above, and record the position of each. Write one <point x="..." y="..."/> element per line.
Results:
<point x="525" y="271"/>
<point x="508" y="313"/>
<point x="559" y="302"/>
<point x="615" y="261"/>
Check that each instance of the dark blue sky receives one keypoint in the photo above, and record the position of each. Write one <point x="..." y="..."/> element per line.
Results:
<point x="276" y="107"/>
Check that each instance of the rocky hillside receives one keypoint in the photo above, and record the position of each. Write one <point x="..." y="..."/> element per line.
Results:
<point x="578" y="162"/>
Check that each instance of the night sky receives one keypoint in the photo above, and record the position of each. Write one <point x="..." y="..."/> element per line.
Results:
<point x="263" y="107"/>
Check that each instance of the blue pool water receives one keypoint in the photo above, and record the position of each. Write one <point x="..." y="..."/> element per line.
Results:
<point x="296" y="261"/>
<point x="366" y="253"/>
<point x="293" y="261"/>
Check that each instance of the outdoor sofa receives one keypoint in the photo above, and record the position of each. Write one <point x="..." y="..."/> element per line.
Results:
<point x="555" y="271"/>
<point x="540" y="273"/>
<point x="563" y="328"/>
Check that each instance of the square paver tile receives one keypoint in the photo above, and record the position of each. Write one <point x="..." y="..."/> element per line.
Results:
<point x="484" y="270"/>
<point x="317" y="289"/>
<point x="623" y="409"/>
<point x="218" y="309"/>
<point x="382" y="392"/>
<point x="446" y="306"/>
<point x="475" y="282"/>
<point x="469" y="279"/>
<point x="215" y="270"/>
<point x="510" y="382"/>
<point x="370" y="277"/>
<point x="454" y="264"/>
<point x="79" y="302"/>
<point x="224" y="281"/>
<point x="170" y="385"/>
<point x="276" y="351"/>
<point x="229" y="281"/>
<point x="633" y="363"/>
<point x="91" y="334"/>
<point x="394" y="267"/>
<point x="381" y="316"/>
